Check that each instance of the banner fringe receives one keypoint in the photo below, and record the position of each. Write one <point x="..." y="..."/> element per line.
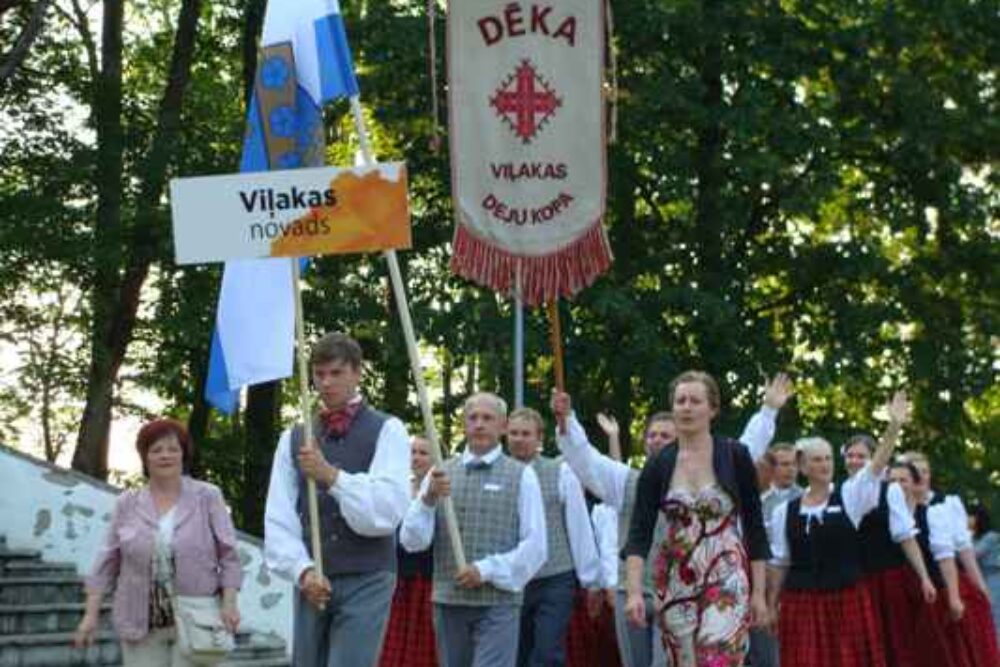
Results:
<point x="562" y="273"/>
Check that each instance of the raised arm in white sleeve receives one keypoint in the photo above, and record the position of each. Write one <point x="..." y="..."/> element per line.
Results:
<point x="759" y="432"/>
<point x="373" y="503"/>
<point x="860" y="494"/>
<point x="582" y="544"/>
<point x="512" y="570"/>
<point x="284" y="550"/>
<point x="602" y="475"/>
<point x="605" y="520"/>
<point x="417" y="531"/>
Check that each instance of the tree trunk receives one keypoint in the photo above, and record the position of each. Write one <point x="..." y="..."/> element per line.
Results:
<point x="13" y="59"/>
<point x="252" y="25"/>
<point x="197" y="424"/>
<point x="116" y="297"/>
<point x="395" y="356"/>
<point x="91" y="455"/>
<point x="260" y="439"/>
<point x="708" y="155"/>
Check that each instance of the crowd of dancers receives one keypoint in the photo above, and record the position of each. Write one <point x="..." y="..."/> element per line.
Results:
<point x="711" y="551"/>
<point x="711" y="556"/>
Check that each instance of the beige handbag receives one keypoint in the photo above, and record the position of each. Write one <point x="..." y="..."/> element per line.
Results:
<point x="202" y="637"/>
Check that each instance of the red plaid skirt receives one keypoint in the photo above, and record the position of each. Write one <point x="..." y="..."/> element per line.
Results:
<point x="829" y="629"/>
<point x="591" y="642"/>
<point x="899" y="608"/>
<point x="974" y="639"/>
<point x="409" y="637"/>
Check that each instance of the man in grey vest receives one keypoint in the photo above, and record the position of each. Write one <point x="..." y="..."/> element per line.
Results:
<point x="549" y="596"/>
<point x="360" y="464"/>
<point x="764" y="650"/>
<point x="615" y="483"/>
<point x="498" y="505"/>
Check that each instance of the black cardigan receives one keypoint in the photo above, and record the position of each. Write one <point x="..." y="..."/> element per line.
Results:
<point x="736" y="474"/>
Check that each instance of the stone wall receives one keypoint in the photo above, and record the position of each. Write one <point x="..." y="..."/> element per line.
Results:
<point x="65" y="514"/>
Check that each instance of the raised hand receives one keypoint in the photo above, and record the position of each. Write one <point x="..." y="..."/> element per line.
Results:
<point x="608" y="424"/>
<point x="899" y="408"/>
<point x="778" y="390"/>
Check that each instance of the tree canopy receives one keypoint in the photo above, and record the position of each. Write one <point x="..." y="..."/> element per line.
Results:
<point x="795" y="186"/>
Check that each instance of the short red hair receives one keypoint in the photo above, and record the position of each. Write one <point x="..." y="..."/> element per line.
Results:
<point x="158" y="429"/>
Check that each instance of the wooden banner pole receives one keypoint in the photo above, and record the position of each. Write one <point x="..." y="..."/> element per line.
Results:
<point x="555" y="340"/>
<point x="307" y="420"/>
<point x="399" y="291"/>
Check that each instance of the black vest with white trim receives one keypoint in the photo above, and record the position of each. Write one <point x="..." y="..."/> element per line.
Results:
<point x="879" y="552"/>
<point x="827" y="555"/>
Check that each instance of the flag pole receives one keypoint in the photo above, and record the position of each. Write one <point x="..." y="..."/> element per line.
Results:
<point x="399" y="291"/>
<point x="518" y="339"/>
<point x="307" y="422"/>
<point x="555" y="340"/>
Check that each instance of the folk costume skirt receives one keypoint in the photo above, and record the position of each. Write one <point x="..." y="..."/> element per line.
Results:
<point x="973" y="639"/>
<point x="899" y="607"/>
<point x="591" y="642"/>
<point x="409" y="636"/>
<point x="829" y="629"/>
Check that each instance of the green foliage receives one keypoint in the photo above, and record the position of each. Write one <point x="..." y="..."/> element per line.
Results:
<point x="801" y="186"/>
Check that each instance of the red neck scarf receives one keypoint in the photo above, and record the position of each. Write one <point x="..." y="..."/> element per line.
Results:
<point x="339" y="420"/>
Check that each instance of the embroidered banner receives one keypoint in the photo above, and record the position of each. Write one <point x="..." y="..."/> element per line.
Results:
<point x="527" y="144"/>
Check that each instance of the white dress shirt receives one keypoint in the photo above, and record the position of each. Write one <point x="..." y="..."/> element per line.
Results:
<point x="606" y="478"/>
<point x="509" y="571"/>
<point x="941" y="531"/>
<point x="579" y="530"/>
<point x="605" y="520"/>
<point x="951" y="522"/>
<point x="373" y="503"/>
<point x="859" y="496"/>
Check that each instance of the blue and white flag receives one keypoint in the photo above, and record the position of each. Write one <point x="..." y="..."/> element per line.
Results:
<point x="305" y="61"/>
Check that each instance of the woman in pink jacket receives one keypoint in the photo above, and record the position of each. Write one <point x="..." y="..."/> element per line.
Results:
<point x="175" y="530"/>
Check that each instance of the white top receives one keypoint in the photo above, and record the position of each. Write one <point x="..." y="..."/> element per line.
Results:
<point x="579" y="530"/>
<point x="373" y="502"/>
<point x="859" y="495"/>
<point x="606" y="478"/>
<point x="509" y="571"/>
<point x="165" y="546"/>
<point x="605" y="520"/>
<point x="948" y="524"/>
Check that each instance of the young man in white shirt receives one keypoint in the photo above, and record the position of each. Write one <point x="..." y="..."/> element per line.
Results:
<point x="359" y="460"/>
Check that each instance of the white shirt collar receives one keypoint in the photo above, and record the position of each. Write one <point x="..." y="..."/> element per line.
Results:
<point x="488" y="458"/>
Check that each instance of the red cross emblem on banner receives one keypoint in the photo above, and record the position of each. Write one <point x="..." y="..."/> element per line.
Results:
<point x="525" y="101"/>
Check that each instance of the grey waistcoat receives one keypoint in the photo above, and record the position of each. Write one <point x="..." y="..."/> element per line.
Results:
<point x="344" y="551"/>
<point x="485" y="501"/>
<point x="560" y="557"/>
<point x="624" y="523"/>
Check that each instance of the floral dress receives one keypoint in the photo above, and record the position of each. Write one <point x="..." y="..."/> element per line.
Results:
<point x="702" y="580"/>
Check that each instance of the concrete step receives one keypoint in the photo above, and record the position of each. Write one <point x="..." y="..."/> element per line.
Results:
<point x="260" y="662"/>
<point x="55" y="649"/>
<point x="9" y="556"/>
<point x="30" y="568"/>
<point x="37" y="618"/>
<point x="40" y="590"/>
